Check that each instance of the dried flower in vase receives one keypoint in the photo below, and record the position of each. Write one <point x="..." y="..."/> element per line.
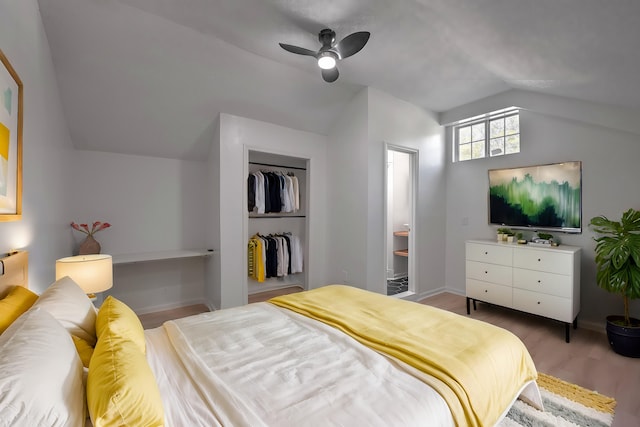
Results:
<point x="95" y="227"/>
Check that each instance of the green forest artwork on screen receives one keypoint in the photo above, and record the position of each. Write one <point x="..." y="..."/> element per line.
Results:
<point x="546" y="196"/>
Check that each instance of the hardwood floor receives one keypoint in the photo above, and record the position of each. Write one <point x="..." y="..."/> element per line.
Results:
<point x="587" y="360"/>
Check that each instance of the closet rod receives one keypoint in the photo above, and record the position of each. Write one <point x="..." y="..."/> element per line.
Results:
<point x="277" y="166"/>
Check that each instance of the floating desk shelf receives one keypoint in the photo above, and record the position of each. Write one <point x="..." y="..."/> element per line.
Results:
<point x="402" y="252"/>
<point x="160" y="255"/>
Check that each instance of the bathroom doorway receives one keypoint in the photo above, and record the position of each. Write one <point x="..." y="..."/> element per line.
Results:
<point x="399" y="219"/>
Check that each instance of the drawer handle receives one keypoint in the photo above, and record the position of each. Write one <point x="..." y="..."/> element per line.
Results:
<point x="488" y="291"/>
<point x="538" y="302"/>
<point x="538" y="281"/>
<point x="486" y="272"/>
<point x="538" y="259"/>
<point x="486" y="253"/>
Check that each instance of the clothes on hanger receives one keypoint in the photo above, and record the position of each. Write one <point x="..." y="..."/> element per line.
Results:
<point x="275" y="255"/>
<point x="273" y="191"/>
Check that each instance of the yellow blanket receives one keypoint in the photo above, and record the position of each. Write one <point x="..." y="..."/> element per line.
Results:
<point x="476" y="367"/>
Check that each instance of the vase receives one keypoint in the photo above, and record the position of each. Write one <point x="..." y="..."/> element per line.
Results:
<point x="89" y="246"/>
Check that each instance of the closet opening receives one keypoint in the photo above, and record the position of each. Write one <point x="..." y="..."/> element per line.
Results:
<point x="399" y="219"/>
<point x="277" y="226"/>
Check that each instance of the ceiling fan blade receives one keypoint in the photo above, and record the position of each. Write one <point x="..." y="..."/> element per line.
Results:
<point x="352" y="44"/>
<point x="297" y="49"/>
<point x="330" y="75"/>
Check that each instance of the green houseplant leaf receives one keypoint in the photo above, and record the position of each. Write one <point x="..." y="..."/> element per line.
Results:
<point x="618" y="256"/>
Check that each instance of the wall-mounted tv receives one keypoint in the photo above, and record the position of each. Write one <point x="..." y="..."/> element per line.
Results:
<point x="544" y="197"/>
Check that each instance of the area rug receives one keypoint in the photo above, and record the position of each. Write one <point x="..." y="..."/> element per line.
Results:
<point x="565" y="404"/>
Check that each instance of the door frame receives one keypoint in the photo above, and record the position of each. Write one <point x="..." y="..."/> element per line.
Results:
<point x="413" y="225"/>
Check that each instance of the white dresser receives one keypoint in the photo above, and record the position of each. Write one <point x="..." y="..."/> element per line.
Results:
<point x="538" y="280"/>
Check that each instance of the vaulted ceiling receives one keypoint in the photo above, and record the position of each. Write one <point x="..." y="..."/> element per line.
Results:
<point x="149" y="77"/>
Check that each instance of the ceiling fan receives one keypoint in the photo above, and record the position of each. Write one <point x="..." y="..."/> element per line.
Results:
<point x="331" y="52"/>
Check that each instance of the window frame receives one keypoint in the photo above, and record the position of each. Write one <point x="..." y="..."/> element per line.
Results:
<point x="485" y="119"/>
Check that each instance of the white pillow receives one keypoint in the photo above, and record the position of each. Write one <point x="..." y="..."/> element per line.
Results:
<point x="40" y="374"/>
<point x="68" y="303"/>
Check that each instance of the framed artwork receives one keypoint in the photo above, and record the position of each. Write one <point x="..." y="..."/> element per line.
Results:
<point x="10" y="142"/>
<point x="543" y="197"/>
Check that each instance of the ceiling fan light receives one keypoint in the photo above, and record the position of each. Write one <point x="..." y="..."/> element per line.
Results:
<point x="326" y="60"/>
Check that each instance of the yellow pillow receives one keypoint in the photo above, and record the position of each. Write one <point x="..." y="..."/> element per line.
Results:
<point x="84" y="349"/>
<point x="17" y="301"/>
<point x="117" y="317"/>
<point x="121" y="388"/>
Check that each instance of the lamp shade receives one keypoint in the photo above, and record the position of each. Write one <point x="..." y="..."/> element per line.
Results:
<point x="93" y="273"/>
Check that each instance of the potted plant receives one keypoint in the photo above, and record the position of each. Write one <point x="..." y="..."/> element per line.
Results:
<point x="618" y="271"/>
<point x="545" y="236"/>
<point x="521" y="239"/>
<point x="510" y="236"/>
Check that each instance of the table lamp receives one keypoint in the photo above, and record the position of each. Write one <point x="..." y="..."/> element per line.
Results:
<point x="93" y="273"/>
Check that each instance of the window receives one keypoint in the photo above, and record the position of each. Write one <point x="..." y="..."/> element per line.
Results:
<point x="488" y="135"/>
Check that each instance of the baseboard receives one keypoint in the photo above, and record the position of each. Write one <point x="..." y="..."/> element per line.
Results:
<point x="592" y="326"/>
<point x="427" y="294"/>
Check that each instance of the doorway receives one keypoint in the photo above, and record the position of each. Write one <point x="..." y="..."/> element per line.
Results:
<point x="399" y="219"/>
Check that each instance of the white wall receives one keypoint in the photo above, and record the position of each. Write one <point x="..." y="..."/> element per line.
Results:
<point x="238" y="135"/>
<point x="403" y="124"/>
<point x="47" y="148"/>
<point x="347" y="195"/>
<point x="553" y="129"/>
<point x="211" y="225"/>
<point x="153" y="204"/>
<point x="356" y="159"/>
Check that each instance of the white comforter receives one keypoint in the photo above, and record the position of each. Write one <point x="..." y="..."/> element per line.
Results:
<point x="260" y="365"/>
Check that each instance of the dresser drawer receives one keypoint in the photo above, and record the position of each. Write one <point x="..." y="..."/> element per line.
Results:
<point x="547" y="260"/>
<point x="492" y="254"/>
<point x="543" y="282"/>
<point x="489" y="292"/>
<point x="545" y="305"/>
<point x="493" y="273"/>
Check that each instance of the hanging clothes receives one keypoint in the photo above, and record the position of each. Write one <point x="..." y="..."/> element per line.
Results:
<point x="275" y="255"/>
<point x="272" y="192"/>
<point x="256" y="258"/>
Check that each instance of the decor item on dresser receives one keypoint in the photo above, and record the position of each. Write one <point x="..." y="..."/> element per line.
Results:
<point x="11" y="118"/>
<point x="90" y="245"/>
<point x="93" y="273"/>
<point x="503" y="232"/>
<point x="618" y="271"/>
<point x="538" y="280"/>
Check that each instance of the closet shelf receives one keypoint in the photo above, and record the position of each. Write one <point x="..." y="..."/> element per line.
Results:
<point x="402" y="252"/>
<point x="401" y="233"/>
<point x="132" y="258"/>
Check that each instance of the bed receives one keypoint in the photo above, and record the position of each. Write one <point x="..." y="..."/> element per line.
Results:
<point x="336" y="355"/>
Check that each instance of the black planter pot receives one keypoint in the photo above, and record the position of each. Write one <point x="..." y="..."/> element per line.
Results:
<point x="624" y="340"/>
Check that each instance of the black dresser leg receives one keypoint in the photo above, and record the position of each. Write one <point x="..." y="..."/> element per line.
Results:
<point x="468" y="308"/>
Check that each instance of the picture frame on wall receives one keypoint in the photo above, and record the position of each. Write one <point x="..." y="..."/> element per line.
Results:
<point x="11" y="110"/>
